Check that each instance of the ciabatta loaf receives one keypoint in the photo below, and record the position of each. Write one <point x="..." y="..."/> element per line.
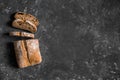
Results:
<point x="27" y="52"/>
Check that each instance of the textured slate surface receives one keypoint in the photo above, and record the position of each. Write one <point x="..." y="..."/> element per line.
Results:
<point x="79" y="39"/>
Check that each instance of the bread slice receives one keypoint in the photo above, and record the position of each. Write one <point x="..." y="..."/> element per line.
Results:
<point x="27" y="52"/>
<point x="25" y="16"/>
<point x="25" y="21"/>
<point x="24" y="25"/>
<point x="22" y="34"/>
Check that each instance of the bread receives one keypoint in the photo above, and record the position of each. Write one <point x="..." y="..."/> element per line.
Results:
<point x="33" y="51"/>
<point x="25" y="21"/>
<point x="27" y="52"/>
<point x="25" y="16"/>
<point x="21" y="54"/>
<point x="22" y="34"/>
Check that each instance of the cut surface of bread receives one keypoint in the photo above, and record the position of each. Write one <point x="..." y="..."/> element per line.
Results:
<point x="21" y="34"/>
<point x="25" y="21"/>
<point x="25" y="16"/>
<point x="24" y="25"/>
<point x="27" y="52"/>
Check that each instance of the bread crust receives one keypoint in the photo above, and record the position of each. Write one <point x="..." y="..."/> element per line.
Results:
<point x="21" y="54"/>
<point x="22" y="34"/>
<point x="27" y="52"/>
<point x="33" y="51"/>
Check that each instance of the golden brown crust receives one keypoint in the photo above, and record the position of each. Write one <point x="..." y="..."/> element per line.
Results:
<point x="27" y="52"/>
<point x="21" y="54"/>
<point x="22" y="34"/>
<point x="33" y="51"/>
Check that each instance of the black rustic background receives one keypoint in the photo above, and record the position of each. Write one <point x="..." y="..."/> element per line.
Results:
<point x="79" y="39"/>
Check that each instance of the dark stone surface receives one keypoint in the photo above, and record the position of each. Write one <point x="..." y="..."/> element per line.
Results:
<point x="79" y="39"/>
